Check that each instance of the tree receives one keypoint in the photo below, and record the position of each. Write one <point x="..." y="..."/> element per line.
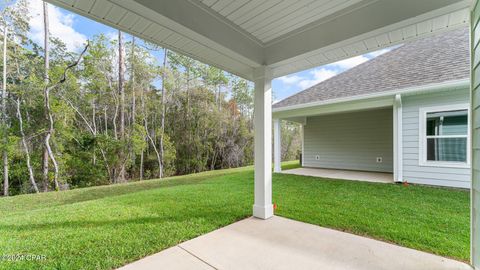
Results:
<point x="164" y="106"/>
<point x="121" y="91"/>
<point x="291" y="140"/>
<point x="48" y="111"/>
<point x="25" y="147"/>
<point x="114" y="111"/>
<point x="4" y="114"/>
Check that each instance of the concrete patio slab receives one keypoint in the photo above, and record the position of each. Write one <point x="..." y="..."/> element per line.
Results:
<point x="377" y="177"/>
<point x="172" y="258"/>
<point x="280" y="243"/>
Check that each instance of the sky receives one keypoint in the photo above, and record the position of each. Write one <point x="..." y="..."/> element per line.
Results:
<point x="74" y="30"/>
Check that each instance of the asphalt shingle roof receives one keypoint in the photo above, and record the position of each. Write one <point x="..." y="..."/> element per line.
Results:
<point x="435" y="59"/>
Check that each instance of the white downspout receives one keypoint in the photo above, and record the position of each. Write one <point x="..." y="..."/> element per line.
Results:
<point x="277" y="145"/>
<point x="397" y="139"/>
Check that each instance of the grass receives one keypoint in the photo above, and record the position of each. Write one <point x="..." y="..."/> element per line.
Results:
<point x="106" y="227"/>
<point x="436" y="220"/>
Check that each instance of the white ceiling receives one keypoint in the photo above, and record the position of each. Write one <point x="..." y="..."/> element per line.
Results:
<point x="270" y="19"/>
<point x="287" y="35"/>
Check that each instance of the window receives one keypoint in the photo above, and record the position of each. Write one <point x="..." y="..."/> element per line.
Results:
<point x="444" y="136"/>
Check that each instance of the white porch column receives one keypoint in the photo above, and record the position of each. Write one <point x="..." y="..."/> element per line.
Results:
<point x="263" y="207"/>
<point x="277" y="145"/>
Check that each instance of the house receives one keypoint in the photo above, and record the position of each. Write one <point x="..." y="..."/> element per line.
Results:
<point x="405" y="112"/>
<point x="262" y="40"/>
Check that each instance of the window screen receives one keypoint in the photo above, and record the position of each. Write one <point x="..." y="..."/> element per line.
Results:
<point x="447" y="134"/>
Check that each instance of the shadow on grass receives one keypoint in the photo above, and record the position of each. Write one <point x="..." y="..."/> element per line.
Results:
<point x="210" y="217"/>
<point x="29" y="202"/>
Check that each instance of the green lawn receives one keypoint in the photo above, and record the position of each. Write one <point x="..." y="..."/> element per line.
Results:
<point x="106" y="227"/>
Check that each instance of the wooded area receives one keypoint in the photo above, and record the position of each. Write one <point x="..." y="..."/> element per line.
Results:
<point x="114" y="112"/>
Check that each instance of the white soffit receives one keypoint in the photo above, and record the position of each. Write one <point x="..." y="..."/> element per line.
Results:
<point x="267" y="20"/>
<point x="287" y="35"/>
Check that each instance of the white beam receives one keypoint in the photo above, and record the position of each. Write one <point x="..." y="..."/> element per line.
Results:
<point x="302" y="120"/>
<point x="192" y="20"/>
<point x="277" y="145"/>
<point x="397" y="139"/>
<point x="263" y="207"/>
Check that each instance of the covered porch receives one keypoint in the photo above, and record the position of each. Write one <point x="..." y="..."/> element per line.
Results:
<point x="355" y="141"/>
<point x="263" y="40"/>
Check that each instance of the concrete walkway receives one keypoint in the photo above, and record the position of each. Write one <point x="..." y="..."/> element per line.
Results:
<point x="280" y="243"/>
<point x="344" y="174"/>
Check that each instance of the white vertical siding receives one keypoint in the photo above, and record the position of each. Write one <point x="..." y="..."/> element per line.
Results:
<point x="350" y="140"/>
<point x="412" y="171"/>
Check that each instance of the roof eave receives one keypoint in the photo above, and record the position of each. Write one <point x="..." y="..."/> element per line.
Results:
<point x="447" y="85"/>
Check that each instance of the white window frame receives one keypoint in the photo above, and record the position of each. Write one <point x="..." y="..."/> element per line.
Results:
<point x="423" y="136"/>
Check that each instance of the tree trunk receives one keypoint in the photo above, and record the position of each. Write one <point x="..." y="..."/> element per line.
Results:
<point x="134" y="94"/>
<point x="121" y="90"/>
<point x="48" y="111"/>
<point x="162" y="125"/>
<point x="94" y="123"/>
<point x="4" y="115"/>
<point x="141" y="164"/>
<point x="147" y="132"/>
<point x="105" y="119"/>
<point x="132" y="75"/>
<point x="46" y="81"/>
<point x="31" y="175"/>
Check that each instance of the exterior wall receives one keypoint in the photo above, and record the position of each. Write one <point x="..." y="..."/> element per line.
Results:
<point x="475" y="124"/>
<point x="413" y="172"/>
<point x="350" y="141"/>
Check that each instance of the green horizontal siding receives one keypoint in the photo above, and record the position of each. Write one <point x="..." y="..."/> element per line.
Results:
<point x="475" y="28"/>
<point x="350" y="141"/>
<point x="412" y="171"/>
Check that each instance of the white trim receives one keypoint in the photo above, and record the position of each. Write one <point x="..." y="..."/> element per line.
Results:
<point x="303" y="143"/>
<point x="474" y="227"/>
<point x="352" y="106"/>
<point x="422" y="151"/>
<point x="398" y="139"/>
<point x="403" y="91"/>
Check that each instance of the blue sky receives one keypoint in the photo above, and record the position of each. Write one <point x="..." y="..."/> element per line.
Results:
<point x="74" y="30"/>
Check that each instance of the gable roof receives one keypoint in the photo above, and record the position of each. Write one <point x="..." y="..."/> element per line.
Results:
<point x="435" y="59"/>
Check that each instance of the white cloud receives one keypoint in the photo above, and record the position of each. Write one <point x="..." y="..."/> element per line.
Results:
<point x="111" y="36"/>
<point x="292" y="79"/>
<point x="378" y="53"/>
<point x="319" y="75"/>
<point x="357" y="60"/>
<point x="60" y="24"/>
<point x="350" y="62"/>
<point x="328" y="71"/>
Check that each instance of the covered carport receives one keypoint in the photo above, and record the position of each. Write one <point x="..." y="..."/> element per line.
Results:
<point x="261" y="40"/>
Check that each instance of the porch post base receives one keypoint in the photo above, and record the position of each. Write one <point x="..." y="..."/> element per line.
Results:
<point x="263" y="212"/>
